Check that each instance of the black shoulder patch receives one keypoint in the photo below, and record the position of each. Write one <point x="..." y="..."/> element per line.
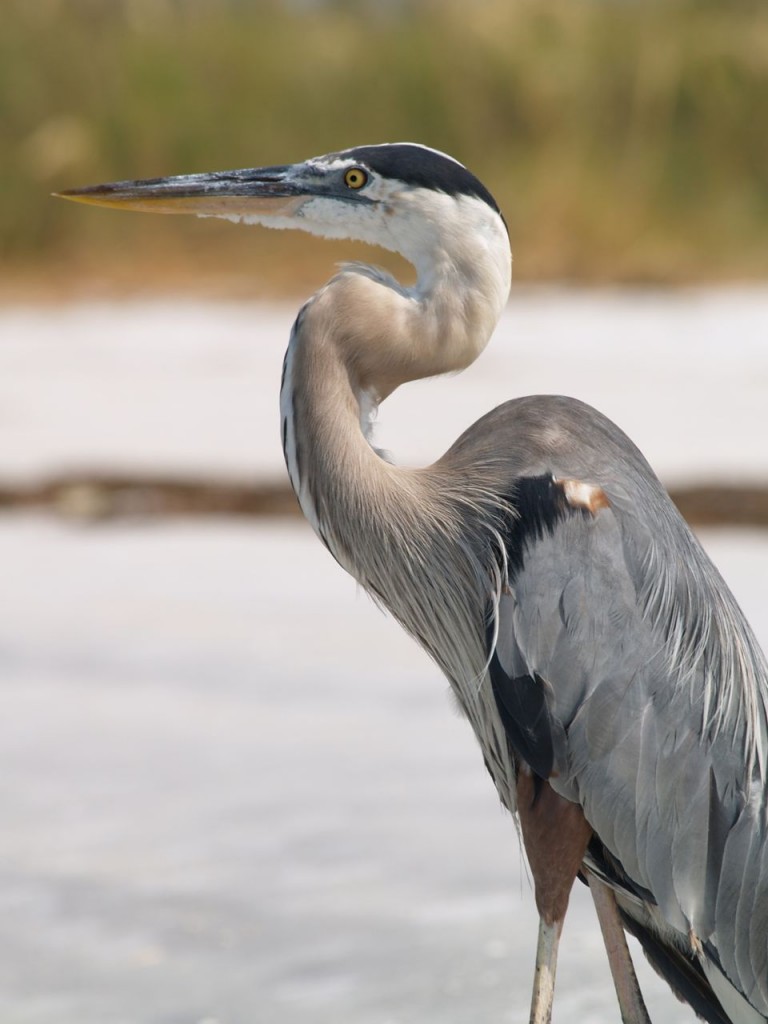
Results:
<point x="418" y="165"/>
<point x="524" y="713"/>
<point x="540" y="504"/>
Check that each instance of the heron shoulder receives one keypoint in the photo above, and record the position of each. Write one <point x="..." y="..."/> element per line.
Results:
<point x="561" y="436"/>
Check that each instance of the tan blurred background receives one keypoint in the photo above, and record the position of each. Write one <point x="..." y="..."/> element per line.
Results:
<point x="625" y="141"/>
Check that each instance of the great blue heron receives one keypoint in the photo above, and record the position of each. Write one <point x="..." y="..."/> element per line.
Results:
<point x="618" y="695"/>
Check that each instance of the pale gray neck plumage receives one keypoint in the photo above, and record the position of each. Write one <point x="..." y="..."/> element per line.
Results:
<point x="410" y="537"/>
<point x="361" y="337"/>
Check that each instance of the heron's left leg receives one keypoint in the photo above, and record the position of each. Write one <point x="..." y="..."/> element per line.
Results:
<point x="555" y="833"/>
<point x="630" y="997"/>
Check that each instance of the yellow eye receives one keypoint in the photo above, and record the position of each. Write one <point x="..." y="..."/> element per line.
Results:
<point x="355" y="177"/>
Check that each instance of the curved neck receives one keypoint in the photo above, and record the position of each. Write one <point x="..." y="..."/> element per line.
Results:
<point x="399" y="532"/>
<point x="422" y="542"/>
<point x="394" y="530"/>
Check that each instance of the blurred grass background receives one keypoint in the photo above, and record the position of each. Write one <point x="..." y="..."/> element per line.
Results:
<point x="626" y="142"/>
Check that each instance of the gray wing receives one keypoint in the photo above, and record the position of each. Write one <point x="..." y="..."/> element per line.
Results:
<point x="626" y="675"/>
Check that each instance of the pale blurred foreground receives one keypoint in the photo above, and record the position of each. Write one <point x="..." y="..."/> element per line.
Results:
<point x="232" y="790"/>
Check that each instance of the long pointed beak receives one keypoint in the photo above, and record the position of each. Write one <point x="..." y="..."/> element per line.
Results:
<point x="270" y="191"/>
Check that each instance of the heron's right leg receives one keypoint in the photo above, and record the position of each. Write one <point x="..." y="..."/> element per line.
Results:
<point x="555" y="833"/>
<point x="630" y="997"/>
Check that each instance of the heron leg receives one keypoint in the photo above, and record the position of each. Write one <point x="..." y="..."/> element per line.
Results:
<point x="555" y="834"/>
<point x="631" y="1004"/>
<point x="544" y="976"/>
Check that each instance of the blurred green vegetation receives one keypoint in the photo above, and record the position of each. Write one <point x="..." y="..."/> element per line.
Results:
<point x="624" y="141"/>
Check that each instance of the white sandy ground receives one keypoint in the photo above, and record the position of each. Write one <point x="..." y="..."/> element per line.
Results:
<point x="232" y="791"/>
<point x="178" y="386"/>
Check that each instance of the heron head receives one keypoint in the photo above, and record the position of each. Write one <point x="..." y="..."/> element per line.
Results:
<point x="400" y="196"/>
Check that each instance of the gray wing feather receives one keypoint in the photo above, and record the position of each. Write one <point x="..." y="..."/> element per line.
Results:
<point x="735" y="856"/>
<point x="690" y="836"/>
<point x="758" y="929"/>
